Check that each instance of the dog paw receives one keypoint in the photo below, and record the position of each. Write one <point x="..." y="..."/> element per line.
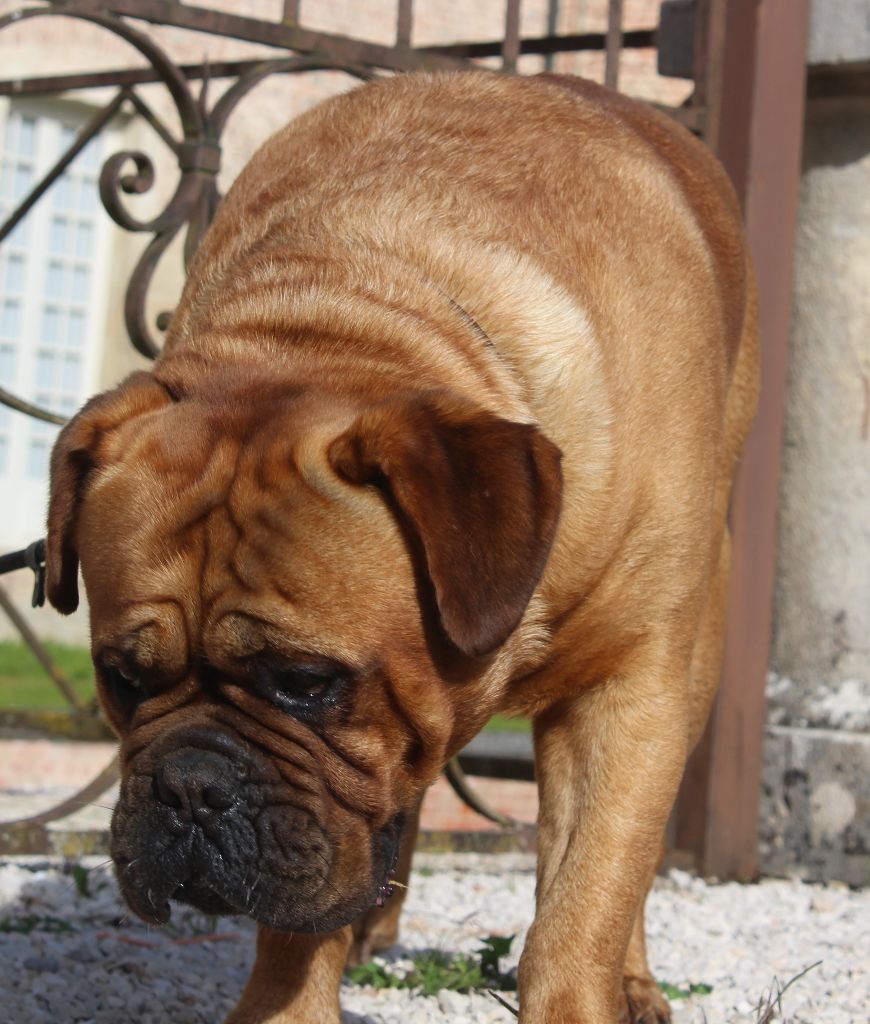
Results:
<point x="642" y="1002"/>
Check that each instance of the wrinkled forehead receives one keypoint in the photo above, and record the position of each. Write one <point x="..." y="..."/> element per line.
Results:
<point x="198" y="541"/>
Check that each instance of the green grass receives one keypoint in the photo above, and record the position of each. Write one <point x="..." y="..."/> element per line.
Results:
<point x="24" y="684"/>
<point x="500" y="723"/>
<point x="434" y="970"/>
<point x="674" y="992"/>
<point x="24" y="924"/>
<point x="480" y="971"/>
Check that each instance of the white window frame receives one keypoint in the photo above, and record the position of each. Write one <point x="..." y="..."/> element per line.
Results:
<point x="22" y="495"/>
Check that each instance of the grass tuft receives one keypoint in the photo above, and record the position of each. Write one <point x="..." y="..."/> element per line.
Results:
<point x="769" y="1007"/>
<point x="434" y="970"/>
<point x="25" y="924"/>
<point x="677" y="992"/>
<point x="24" y="684"/>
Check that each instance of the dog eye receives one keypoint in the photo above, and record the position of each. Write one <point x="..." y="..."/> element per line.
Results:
<point x="305" y="691"/>
<point x="124" y="686"/>
<point x="303" y="684"/>
<point x="129" y="677"/>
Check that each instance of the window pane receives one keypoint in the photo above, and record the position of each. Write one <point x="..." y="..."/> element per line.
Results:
<point x="50" y="325"/>
<point x="71" y="374"/>
<point x="45" y="362"/>
<point x="27" y="136"/>
<point x="37" y="462"/>
<point x="84" y="239"/>
<point x="54" y="281"/>
<point x="80" y="283"/>
<point x="88" y="197"/>
<point x="58" y="235"/>
<point x="13" y="279"/>
<point x="23" y="178"/>
<point x="67" y="135"/>
<point x="4" y="454"/>
<point x="10" y="136"/>
<point x="10" y="320"/>
<point x="7" y="364"/>
<point x="75" y="331"/>
<point x="63" y="192"/>
<point x="91" y="156"/>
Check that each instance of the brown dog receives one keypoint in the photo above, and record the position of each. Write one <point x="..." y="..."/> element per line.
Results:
<point x="445" y="425"/>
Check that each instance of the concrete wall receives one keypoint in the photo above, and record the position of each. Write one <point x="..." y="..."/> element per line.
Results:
<point x="821" y="642"/>
<point x="839" y="31"/>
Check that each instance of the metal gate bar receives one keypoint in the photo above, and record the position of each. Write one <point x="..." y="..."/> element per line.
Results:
<point x="613" y="44"/>
<point x="756" y="90"/>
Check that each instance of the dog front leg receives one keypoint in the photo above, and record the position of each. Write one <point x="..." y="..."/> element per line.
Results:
<point x="608" y="766"/>
<point x="295" y="980"/>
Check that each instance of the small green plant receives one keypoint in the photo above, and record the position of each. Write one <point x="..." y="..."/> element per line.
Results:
<point x="434" y="970"/>
<point x="375" y="975"/>
<point x="24" y="924"/>
<point x="685" y="991"/>
<point x="80" y="877"/>
<point x="492" y="949"/>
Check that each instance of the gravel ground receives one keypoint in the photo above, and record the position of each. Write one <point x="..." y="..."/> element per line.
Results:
<point x="74" y="957"/>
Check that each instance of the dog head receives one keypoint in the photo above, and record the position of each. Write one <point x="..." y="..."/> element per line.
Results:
<point x="294" y="598"/>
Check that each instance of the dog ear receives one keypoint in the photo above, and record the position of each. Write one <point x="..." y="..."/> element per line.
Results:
<point x="480" y="494"/>
<point x="75" y="454"/>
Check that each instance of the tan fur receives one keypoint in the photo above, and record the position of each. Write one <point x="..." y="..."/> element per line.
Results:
<point x="410" y="295"/>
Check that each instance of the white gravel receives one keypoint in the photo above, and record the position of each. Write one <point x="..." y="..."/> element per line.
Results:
<point x="98" y="966"/>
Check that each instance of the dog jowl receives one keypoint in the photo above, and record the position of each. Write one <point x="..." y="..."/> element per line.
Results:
<point x="445" y="424"/>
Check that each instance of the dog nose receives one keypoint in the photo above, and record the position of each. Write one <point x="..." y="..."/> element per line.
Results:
<point x="196" y="783"/>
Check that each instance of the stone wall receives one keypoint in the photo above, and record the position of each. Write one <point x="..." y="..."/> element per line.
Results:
<point x="821" y="639"/>
<point x="815" y="807"/>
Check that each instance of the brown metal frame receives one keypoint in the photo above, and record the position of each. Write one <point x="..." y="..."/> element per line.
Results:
<point x="755" y="90"/>
<point x="749" y="66"/>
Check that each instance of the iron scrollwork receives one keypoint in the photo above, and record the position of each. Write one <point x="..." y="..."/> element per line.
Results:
<point x="132" y="172"/>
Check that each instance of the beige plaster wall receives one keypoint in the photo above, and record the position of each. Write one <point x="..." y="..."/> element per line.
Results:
<point x="821" y="642"/>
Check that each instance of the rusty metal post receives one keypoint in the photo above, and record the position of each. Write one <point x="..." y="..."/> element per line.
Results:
<point x="404" y="22"/>
<point x="756" y="95"/>
<point x="510" y="50"/>
<point x="614" y="44"/>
